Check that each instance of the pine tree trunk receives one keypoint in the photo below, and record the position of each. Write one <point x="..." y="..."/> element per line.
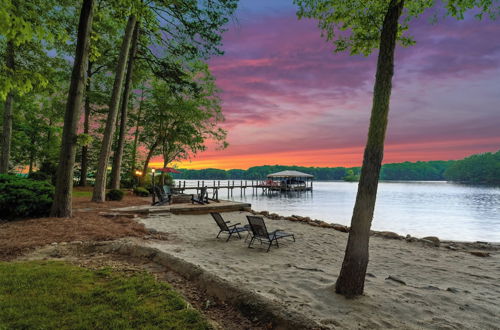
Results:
<point x="61" y="207"/>
<point x="117" y="159"/>
<point x="7" y="115"/>
<point x="136" y="135"/>
<point x="352" y="275"/>
<point x="146" y="163"/>
<point x="86" y="120"/>
<point x="98" y="194"/>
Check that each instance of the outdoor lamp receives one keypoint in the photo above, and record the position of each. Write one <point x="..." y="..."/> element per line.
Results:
<point x="153" y="182"/>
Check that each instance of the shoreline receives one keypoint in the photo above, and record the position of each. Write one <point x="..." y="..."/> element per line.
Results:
<point x="410" y="285"/>
<point x="429" y="240"/>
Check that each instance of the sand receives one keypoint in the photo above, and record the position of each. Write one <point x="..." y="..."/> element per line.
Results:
<point x="444" y="289"/>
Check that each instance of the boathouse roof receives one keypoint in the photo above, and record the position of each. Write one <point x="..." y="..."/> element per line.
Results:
<point x="290" y="174"/>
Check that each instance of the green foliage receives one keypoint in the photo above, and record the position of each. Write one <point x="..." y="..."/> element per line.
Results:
<point x="115" y="195"/>
<point x="350" y="176"/>
<point x="418" y="171"/>
<point x="140" y="191"/>
<point x="480" y="169"/>
<point x="22" y="198"/>
<point x="355" y="26"/>
<point x="39" y="176"/>
<point x="55" y="295"/>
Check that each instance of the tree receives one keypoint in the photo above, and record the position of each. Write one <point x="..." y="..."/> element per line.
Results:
<point x="365" y="26"/>
<point x="61" y="206"/>
<point x="117" y="158"/>
<point x="98" y="194"/>
<point x="25" y="27"/>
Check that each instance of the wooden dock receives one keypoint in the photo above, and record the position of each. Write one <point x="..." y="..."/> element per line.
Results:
<point x="266" y="187"/>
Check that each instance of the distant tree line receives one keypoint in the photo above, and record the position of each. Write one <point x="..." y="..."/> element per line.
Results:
<point x="478" y="169"/>
<point x="432" y="170"/>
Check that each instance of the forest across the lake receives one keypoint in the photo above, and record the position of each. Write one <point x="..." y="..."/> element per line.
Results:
<point x="477" y="169"/>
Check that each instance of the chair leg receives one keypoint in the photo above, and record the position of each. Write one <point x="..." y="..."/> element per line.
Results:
<point x="293" y="236"/>
<point x="229" y="236"/>
<point x="219" y="234"/>
<point x="269" y="247"/>
<point x="251" y="241"/>
<point x="277" y="245"/>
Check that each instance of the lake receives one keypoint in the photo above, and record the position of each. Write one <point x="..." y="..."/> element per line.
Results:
<point x="446" y="210"/>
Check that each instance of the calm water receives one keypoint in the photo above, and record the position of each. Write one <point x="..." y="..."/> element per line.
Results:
<point x="447" y="210"/>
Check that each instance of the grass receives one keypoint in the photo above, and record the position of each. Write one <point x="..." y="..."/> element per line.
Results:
<point x="56" y="295"/>
<point x="82" y="193"/>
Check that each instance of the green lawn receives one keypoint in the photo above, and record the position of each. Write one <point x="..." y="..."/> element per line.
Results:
<point x="55" y="295"/>
<point x="82" y="193"/>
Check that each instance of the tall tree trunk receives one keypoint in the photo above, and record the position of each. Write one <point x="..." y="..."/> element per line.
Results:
<point x="7" y="114"/>
<point x="146" y="162"/>
<point x="61" y="207"/>
<point x="98" y="194"/>
<point x="136" y="135"/>
<point x="117" y="158"/>
<point x="352" y="275"/>
<point x="86" y="119"/>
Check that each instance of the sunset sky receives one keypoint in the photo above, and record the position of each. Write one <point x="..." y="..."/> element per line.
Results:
<point x="288" y="99"/>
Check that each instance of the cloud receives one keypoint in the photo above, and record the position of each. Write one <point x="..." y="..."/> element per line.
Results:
<point x="288" y="97"/>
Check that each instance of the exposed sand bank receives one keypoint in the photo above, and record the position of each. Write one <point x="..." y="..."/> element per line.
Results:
<point x="444" y="289"/>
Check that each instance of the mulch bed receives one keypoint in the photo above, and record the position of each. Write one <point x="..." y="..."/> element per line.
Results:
<point x="21" y="236"/>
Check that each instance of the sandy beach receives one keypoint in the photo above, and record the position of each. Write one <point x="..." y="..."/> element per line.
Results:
<point x="443" y="289"/>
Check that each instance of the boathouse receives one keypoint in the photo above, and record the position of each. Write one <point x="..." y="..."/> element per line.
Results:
<point x="290" y="181"/>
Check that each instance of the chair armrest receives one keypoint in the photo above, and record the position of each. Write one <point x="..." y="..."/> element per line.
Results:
<point x="239" y="223"/>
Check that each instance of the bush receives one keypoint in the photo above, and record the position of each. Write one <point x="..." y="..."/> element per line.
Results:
<point x="140" y="191"/>
<point x="22" y="198"/>
<point x="39" y="176"/>
<point x="114" y="195"/>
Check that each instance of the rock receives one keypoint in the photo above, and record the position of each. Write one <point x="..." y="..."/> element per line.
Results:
<point x="152" y="230"/>
<point x="370" y="275"/>
<point x="480" y="254"/>
<point x="54" y="244"/>
<point x="389" y="234"/>
<point x="314" y="224"/>
<point x="427" y="242"/>
<point x="453" y="290"/>
<point x="325" y="225"/>
<point x="433" y="239"/>
<point x="264" y="213"/>
<point x="292" y="219"/>
<point x="274" y="216"/>
<point x="451" y="247"/>
<point x="341" y="228"/>
<point x="395" y="279"/>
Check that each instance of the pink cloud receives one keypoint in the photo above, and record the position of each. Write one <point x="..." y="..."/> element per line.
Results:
<point x="285" y="91"/>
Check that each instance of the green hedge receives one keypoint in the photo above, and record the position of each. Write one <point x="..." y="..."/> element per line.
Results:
<point x="114" y="195"/>
<point x="22" y="198"/>
<point x="140" y="191"/>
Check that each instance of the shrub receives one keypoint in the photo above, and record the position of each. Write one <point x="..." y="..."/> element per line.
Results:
<point x="114" y="195"/>
<point x="22" y="198"/>
<point x="140" y="191"/>
<point x="38" y="176"/>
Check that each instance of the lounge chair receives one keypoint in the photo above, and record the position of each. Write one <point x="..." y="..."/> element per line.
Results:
<point x="259" y="231"/>
<point x="225" y="228"/>
<point x="202" y="197"/>
<point x="162" y="195"/>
